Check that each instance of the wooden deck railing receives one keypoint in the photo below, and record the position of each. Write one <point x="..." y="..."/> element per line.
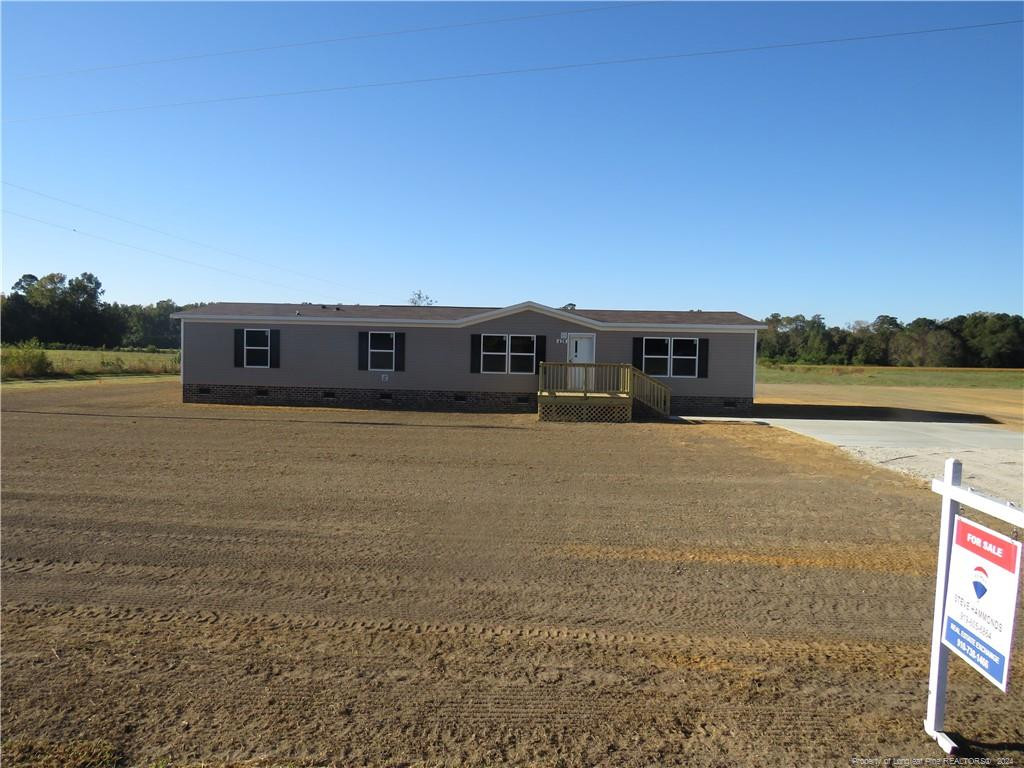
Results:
<point x="651" y="393"/>
<point x="585" y="378"/>
<point x="604" y="379"/>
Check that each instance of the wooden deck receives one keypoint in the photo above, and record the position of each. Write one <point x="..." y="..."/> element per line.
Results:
<point x="579" y="395"/>
<point x="597" y="392"/>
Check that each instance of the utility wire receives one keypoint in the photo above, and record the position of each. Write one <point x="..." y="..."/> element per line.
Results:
<point x="151" y="251"/>
<point x="519" y="71"/>
<point x="317" y="278"/>
<point x="328" y="40"/>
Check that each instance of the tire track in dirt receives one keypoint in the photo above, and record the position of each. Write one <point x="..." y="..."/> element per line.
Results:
<point x="618" y="685"/>
<point x="914" y="560"/>
<point x="642" y="605"/>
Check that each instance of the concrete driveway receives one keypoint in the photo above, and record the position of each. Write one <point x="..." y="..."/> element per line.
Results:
<point x="993" y="457"/>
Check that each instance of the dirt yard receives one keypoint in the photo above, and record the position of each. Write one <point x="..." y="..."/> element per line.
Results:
<point x="204" y="583"/>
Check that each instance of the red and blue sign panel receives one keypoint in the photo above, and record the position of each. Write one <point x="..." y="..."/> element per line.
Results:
<point x="981" y="598"/>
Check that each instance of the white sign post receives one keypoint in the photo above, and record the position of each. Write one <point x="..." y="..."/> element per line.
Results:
<point x="976" y="585"/>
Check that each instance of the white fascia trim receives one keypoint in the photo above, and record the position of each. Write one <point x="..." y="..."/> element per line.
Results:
<point x="372" y="322"/>
<point x="493" y="314"/>
<point x="465" y="322"/>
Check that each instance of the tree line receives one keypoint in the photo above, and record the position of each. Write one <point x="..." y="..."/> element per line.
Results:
<point x="55" y="309"/>
<point x="977" y="340"/>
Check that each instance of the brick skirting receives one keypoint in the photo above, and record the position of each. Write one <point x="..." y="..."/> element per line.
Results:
<point x="337" y="397"/>
<point x="426" y="400"/>
<point x="692" y="405"/>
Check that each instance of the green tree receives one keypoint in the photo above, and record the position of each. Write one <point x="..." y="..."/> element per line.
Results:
<point x="992" y="340"/>
<point x="815" y="346"/>
<point x="150" y="325"/>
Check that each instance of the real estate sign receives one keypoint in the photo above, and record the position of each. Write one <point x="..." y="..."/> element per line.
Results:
<point x="981" y="599"/>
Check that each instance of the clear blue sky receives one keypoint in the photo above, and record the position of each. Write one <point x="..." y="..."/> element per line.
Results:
<point x="850" y="180"/>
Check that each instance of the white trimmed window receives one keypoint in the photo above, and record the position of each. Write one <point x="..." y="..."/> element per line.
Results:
<point x="493" y="353"/>
<point x="664" y="356"/>
<point x="512" y="353"/>
<point x="684" y="358"/>
<point x="522" y="354"/>
<point x="257" y="348"/>
<point x="382" y="351"/>
<point x="656" y="355"/>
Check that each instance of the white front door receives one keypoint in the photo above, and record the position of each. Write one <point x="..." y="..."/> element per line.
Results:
<point x="581" y="350"/>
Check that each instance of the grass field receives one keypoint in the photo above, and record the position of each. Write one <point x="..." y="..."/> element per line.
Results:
<point x="190" y="585"/>
<point x="94" y="362"/>
<point x="883" y="376"/>
<point x="994" y="394"/>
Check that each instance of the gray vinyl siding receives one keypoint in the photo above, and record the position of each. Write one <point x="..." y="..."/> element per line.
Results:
<point x="439" y="358"/>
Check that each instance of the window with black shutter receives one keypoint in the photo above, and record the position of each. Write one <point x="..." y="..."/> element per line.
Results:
<point x="684" y="358"/>
<point x="505" y="353"/>
<point x="656" y="355"/>
<point x="382" y="350"/>
<point x="522" y="352"/>
<point x="493" y="353"/>
<point x="675" y="357"/>
<point x="257" y="348"/>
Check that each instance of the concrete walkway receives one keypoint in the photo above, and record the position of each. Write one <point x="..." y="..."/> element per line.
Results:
<point x="993" y="457"/>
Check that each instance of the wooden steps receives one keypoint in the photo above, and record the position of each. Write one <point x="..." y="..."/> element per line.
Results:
<point x="604" y="392"/>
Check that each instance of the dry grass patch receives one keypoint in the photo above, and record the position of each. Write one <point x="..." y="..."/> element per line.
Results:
<point x="35" y="753"/>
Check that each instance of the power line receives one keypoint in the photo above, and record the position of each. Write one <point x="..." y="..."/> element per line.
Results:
<point x="318" y="278"/>
<point x="518" y="71"/>
<point x="328" y="40"/>
<point x="151" y="251"/>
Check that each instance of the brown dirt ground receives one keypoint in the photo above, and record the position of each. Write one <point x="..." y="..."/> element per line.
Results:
<point x="204" y="583"/>
<point x="1005" y="406"/>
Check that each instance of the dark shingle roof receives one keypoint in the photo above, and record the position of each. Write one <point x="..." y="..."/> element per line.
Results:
<point x="454" y="314"/>
<point x="368" y="311"/>
<point x="690" y="317"/>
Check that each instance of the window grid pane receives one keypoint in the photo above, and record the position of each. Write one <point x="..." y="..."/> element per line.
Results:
<point x="684" y="366"/>
<point x="382" y="361"/>
<point x="656" y="347"/>
<point x="257" y="339"/>
<point x="684" y="347"/>
<point x="520" y="345"/>
<point x="382" y="342"/>
<point x="493" y="363"/>
<point x="520" y="363"/>
<point x="257" y="358"/>
<point x="494" y="344"/>
<point x="656" y="366"/>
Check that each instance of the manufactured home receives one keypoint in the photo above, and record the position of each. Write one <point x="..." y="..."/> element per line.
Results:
<point x="567" y="363"/>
